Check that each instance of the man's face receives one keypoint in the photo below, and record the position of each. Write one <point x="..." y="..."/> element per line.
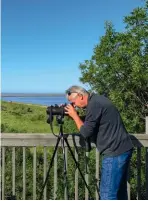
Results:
<point x="77" y="100"/>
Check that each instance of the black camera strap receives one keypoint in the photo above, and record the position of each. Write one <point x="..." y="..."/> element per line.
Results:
<point x="51" y="120"/>
<point x="51" y="126"/>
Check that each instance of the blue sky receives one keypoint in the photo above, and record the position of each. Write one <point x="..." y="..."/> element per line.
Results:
<point x="43" y="41"/>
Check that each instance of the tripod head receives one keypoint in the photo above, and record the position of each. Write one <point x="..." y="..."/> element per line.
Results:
<point x="59" y="119"/>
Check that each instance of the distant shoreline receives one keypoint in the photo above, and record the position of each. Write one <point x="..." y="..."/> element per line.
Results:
<point x="31" y="94"/>
<point x="21" y="103"/>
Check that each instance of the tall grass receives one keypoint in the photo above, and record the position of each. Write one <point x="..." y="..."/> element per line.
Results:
<point x="24" y="118"/>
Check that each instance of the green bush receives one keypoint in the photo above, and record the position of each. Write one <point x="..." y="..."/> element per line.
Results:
<point x="23" y="118"/>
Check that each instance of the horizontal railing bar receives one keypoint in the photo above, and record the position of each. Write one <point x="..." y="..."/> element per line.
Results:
<point x="26" y="139"/>
<point x="21" y="139"/>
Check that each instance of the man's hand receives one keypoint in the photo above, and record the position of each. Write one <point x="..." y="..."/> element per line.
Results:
<point x="70" y="110"/>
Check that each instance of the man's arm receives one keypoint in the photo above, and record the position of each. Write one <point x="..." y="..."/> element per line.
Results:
<point x="91" y="123"/>
<point x="78" y="121"/>
<point x="87" y="128"/>
<point x="70" y="110"/>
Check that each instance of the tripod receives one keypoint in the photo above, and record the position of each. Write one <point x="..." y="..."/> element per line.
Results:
<point x="63" y="138"/>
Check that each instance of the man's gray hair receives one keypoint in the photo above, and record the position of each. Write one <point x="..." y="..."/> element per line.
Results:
<point x="76" y="89"/>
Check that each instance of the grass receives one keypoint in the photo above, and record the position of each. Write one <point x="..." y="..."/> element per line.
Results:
<point x="24" y="118"/>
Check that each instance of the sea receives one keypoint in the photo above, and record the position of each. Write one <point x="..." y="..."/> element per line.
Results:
<point x="42" y="100"/>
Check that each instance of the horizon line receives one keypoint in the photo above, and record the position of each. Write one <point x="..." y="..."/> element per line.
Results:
<point x="7" y="94"/>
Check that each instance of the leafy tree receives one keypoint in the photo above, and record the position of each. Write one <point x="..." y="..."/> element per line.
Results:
<point x="118" y="68"/>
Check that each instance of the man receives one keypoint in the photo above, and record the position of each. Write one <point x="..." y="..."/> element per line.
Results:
<point x="103" y="123"/>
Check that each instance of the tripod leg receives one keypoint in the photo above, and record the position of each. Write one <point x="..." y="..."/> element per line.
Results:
<point x="77" y="165"/>
<point x="52" y="159"/>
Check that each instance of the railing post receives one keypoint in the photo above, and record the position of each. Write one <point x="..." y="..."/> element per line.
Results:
<point x="146" y="132"/>
<point x="0" y="174"/>
<point x="146" y="125"/>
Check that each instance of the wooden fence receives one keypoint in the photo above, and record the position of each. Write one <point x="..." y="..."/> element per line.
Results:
<point x="12" y="141"/>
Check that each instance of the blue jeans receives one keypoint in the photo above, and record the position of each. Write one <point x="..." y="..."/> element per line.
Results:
<point x="113" y="185"/>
